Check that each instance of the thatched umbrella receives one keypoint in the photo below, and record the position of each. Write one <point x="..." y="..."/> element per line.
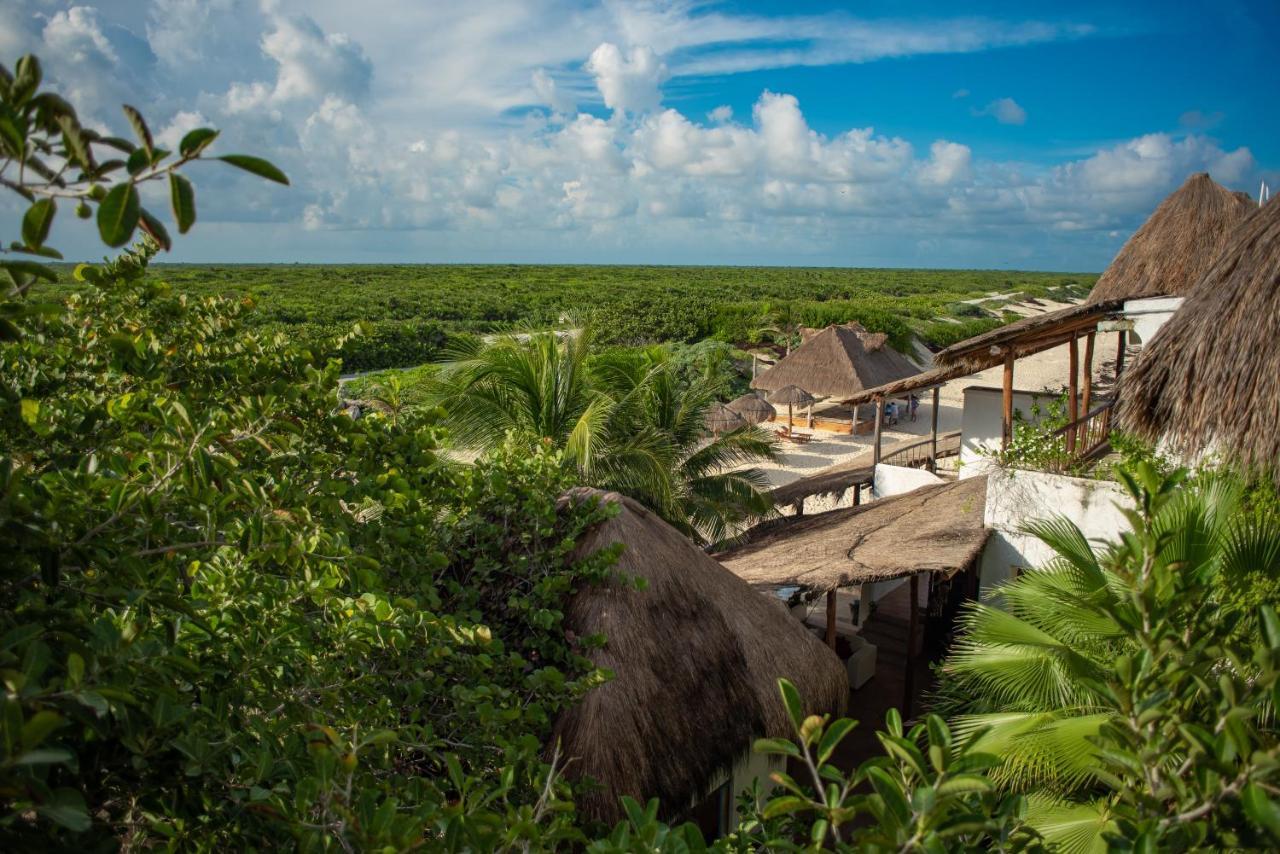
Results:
<point x="720" y="417"/>
<point x="696" y="655"/>
<point x="1210" y="378"/>
<point x="1177" y="243"/>
<point x="753" y="409"/>
<point x="791" y="395"/>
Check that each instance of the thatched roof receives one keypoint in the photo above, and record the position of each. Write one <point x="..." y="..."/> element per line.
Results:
<point x="1177" y="243"/>
<point x="720" y="417"/>
<point x="1026" y="336"/>
<point x="697" y="655"/>
<point x="932" y="529"/>
<point x="752" y="408"/>
<point x="838" y="362"/>
<point x="792" y="395"/>
<point x="1210" y="378"/>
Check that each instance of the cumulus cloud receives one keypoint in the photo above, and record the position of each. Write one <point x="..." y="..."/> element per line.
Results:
<point x="1004" y="110"/>
<point x="549" y="94"/>
<point x="948" y="163"/>
<point x="629" y="82"/>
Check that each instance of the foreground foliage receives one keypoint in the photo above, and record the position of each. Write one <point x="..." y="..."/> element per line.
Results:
<point x="1131" y="690"/>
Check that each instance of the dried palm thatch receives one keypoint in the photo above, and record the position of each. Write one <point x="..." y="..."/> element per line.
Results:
<point x="697" y="655"/>
<point x="932" y="529"/>
<point x="753" y="409"/>
<point x="720" y="418"/>
<point x="1029" y="335"/>
<point x="1177" y="243"/>
<point x="838" y="362"/>
<point x="791" y="395"/>
<point x="1210" y="378"/>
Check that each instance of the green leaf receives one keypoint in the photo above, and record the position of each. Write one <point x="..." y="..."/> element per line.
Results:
<point x="196" y="141"/>
<point x="139" y="125"/>
<point x="29" y="268"/>
<point x="256" y="165"/>
<point x="889" y="792"/>
<point x="45" y="756"/>
<point x="155" y="228"/>
<point x="776" y="746"/>
<point x="833" y="736"/>
<point x="182" y="196"/>
<point x="138" y="161"/>
<point x="791" y="699"/>
<point x="784" y="805"/>
<point x="118" y="215"/>
<point x="37" y="221"/>
<point x="38" y="726"/>
<point x="1261" y="809"/>
<point x="30" y="408"/>
<point x="67" y="808"/>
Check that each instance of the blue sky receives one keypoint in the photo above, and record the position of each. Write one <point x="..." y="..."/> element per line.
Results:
<point x="1007" y="135"/>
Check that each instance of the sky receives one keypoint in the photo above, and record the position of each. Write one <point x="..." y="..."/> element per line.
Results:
<point x="1027" y="135"/>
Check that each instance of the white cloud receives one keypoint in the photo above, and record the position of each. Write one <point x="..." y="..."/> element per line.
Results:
<point x="544" y="86"/>
<point x="721" y="114"/>
<point x="948" y="163"/>
<point x="630" y="82"/>
<point x="1004" y="110"/>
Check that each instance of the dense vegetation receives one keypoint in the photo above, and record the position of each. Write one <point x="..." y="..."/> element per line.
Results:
<point x="410" y="311"/>
<point x="232" y="617"/>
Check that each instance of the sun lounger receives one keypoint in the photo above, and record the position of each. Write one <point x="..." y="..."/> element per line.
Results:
<point x="792" y="436"/>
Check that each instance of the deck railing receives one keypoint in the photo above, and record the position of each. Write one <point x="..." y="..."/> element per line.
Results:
<point x="920" y="454"/>
<point x="1087" y="438"/>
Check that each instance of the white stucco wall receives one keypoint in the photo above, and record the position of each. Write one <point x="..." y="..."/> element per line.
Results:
<point x="1148" y="315"/>
<point x="895" y="480"/>
<point x="1017" y="497"/>
<point x="982" y="424"/>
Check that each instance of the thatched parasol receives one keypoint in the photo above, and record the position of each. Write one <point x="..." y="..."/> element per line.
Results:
<point x="792" y="396"/>
<point x="720" y="418"/>
<point x="932" y="529"/>
<point x="1177" y="243"/>
<point x="1210" y="378"/>
<point x="697" y="654"/>
<point x="838" y="362"/>
<point x="753" y="409"/>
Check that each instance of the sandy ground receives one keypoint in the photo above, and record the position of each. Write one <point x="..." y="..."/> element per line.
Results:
<point x="1047" y="370"/>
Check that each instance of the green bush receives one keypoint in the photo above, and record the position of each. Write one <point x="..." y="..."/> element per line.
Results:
<point x="941" y="334"/>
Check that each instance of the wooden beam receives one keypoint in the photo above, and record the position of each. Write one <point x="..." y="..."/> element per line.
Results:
<point x="1121" y="343"/>
<point x="1006" y="435"/>
<point x="789" y="419"/>
<point x="857" y="494"/>
<point x="933" y="441"/>
<point x="1073" y="391"/>
<point x="879" y="428"/>
<point x="831" y="619"/>
<point x="1087" y="377"/>
<point x="909" y="678"/>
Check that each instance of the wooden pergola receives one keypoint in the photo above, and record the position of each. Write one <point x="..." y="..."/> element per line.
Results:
<point x="1004" y="346"/>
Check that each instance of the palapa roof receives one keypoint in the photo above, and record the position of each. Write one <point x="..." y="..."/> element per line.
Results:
<point x="720" y="417"/>
<point x="752" y="408"/>
<point x="1177" y="243"/>
<point x="1026" y="336"/>
<point x="792" y="395"/>
<point x="1210" y="378"/>
<point x="934" y="528"/>
<point x="697" y="655"/>
<point x="838" y="362"/>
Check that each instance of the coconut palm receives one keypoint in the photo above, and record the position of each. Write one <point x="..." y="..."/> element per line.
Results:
<point x="622" y="419"/>
<point x="1025" y="678"/>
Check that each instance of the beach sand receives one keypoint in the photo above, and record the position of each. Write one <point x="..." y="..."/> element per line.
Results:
<point x="1047" y="370"/>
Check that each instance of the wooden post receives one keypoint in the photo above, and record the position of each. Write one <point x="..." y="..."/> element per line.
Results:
<point x="933" y="442"/>
<point x="875" y="456"/>
<point x="789" y="419"/>
<point x="853" y="419"/>
<point x="1087" y="377"/>
<point x="1007" y="432"/>
<point x="909" y="678"/>
<point x="857" y="494"/>
<point x="1073" y="392"/>
<point x="1120" y="348"/>
<point x="831" y="619"/>
<point x="810" y="416"/>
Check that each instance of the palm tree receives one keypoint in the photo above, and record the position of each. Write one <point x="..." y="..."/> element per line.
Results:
<point x="623" y="421"/>
<point x="1023" y="682"/>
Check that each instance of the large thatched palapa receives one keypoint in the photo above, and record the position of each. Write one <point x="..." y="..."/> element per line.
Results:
<point x="932" y="529"/>
<point x="697" y="655"/>
<point x="838" y="362"/>
<point x="1033" y="334"/>
<point x="1177" y="243"/>
<point x="1210" y="378"/>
